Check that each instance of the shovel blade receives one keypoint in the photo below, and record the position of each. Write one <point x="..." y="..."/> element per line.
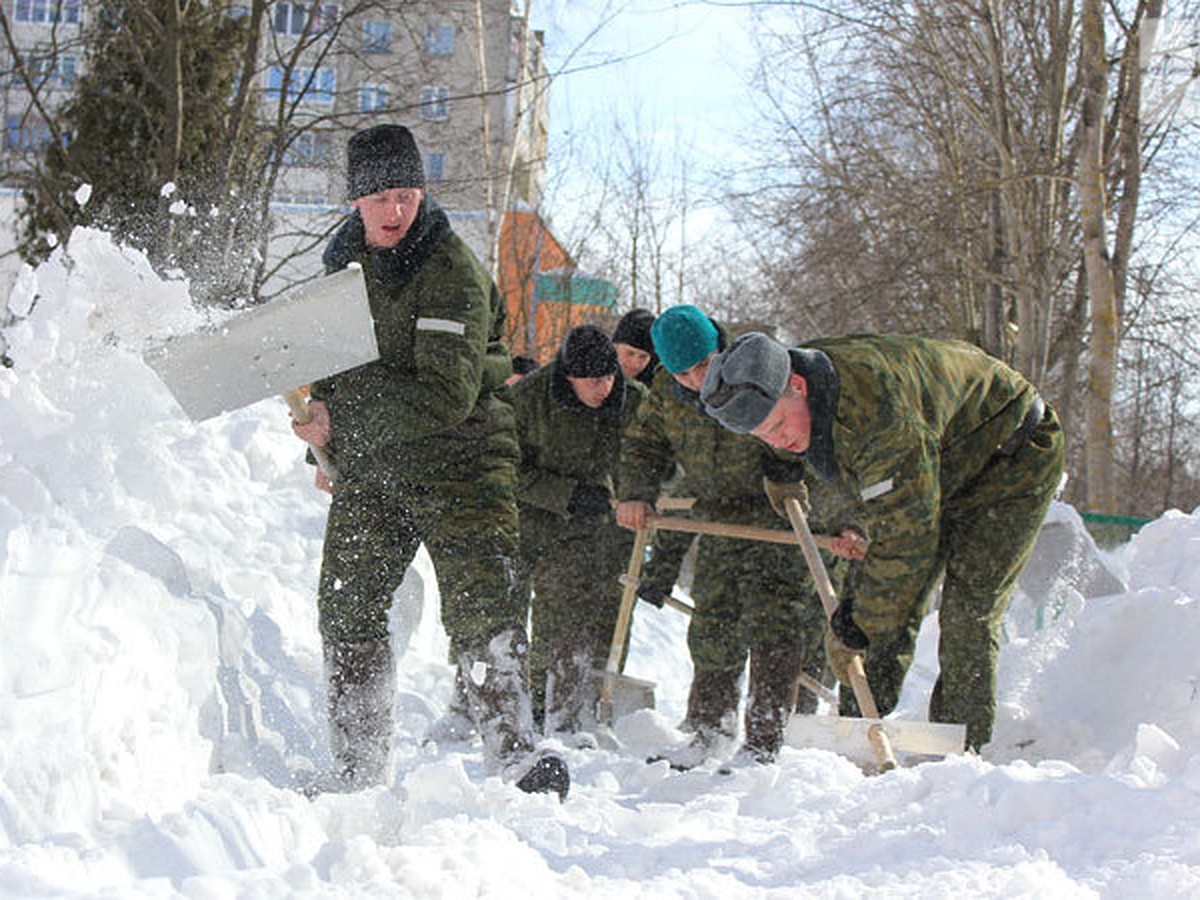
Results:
<point x="312" y="331"/>
<point x="848" y="736"/>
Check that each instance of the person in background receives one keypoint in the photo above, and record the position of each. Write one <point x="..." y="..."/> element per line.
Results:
<point x="951" y="459"/>
<point x="750" y="597"/>
<point x="425" y="452"/>
<point x="571" y="415"/>
<point x="635" y="349"/>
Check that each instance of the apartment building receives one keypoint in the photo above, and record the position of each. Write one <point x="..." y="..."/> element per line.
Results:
<point x="468" y="76"/>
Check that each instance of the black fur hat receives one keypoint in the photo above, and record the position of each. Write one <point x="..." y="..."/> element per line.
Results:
<point x="587" y="352"/>
<point x="380" y="158"/>
<point x="634" y="330"/>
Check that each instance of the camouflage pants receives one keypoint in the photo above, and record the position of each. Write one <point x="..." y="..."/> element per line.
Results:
<point x="755" y="598"/>
<point x="470" y="531"/>
<point x="576" y="597"/>
<point x="986" y="532"/>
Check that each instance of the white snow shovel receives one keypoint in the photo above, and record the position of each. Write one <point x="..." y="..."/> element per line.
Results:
<point x="844" y="734"/>
<point x="312" y="331"/>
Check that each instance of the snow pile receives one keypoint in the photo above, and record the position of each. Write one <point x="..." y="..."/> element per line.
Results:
<point x="160" y="679"/>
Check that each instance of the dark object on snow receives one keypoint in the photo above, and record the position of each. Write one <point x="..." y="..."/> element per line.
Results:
<point x="548" y="775"/>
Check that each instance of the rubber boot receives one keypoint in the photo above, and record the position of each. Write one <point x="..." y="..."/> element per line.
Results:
<point x="495" y="678"/>
<point x="774" y="685"/>
<point x="361" y="686"/>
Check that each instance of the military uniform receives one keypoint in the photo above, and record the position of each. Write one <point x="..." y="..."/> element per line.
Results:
<point x="426" y="452"/>
<point x="952" y="460"/>
<point x="571" y="559"/>
<point x="749" y="596"/>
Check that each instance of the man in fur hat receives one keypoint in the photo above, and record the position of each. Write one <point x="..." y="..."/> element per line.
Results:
<point x="571" y="415"/>
<point x="425" y="451"/>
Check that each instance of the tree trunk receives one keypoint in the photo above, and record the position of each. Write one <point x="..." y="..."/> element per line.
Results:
<point x="1101" y="290"/>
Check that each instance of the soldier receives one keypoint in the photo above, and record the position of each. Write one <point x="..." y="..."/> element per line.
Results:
<point x="952" y="458"/>
<point x="425" y="451"/>
<point x="749" y="597"/>
<point x="570" y="418"/>
<point x="635" y="349"/>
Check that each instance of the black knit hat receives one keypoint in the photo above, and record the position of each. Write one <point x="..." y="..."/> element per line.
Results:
<point x="381" y="158"/>
<point x="634" y="330"/>
<point x="586" y="352"/>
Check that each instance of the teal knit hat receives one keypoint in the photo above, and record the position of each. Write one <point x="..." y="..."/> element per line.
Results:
<point x="683" y="336"/>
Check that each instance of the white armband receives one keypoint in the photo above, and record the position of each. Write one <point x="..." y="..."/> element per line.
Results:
<point x="447" y="325"/>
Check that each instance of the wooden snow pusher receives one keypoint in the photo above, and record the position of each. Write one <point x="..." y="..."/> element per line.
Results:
<point x="844" y="735"/>
<point x="883" y="735"/>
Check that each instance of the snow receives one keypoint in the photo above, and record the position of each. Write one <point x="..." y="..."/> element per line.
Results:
<point x="160" y="679"/>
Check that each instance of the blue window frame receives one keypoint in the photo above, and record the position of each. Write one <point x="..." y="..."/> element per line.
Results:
<point x="374" y="97"/>
<point x="292" y="18"/>
<point x="435" y="166"/>
<point x="312" y="148"/>
<point x="320" y="90"/>
<point x="377" y="36"/>
<point x="47" y="11"/>
<point x="439" y="40"/>
<point x="435" y="103"/>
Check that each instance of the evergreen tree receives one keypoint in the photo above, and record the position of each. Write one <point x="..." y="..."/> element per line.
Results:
<point x="157" y="107"/>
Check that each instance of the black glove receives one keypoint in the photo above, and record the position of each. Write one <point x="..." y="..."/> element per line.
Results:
<point x="653" y="594"/>
<point x="846" y="629"/>
<point x="589" y="500"/>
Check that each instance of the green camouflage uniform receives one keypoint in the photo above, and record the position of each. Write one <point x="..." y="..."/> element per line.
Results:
<point x="572" y="561"/>
<point x="749" y="596"/>
<point x="952" y="460"/>
<point x="426" y="452"/>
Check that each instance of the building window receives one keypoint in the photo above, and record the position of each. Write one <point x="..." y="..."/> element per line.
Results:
<point x="25" y="133"/>
<point x="303" y="84"/>
<point x="374" y="97"/>
<point x="435" y="103"/>
<point x="439" y="40"/>
<point x="48" y="11"/>
<point x="48" y="72"/>
<point x="377" y="36"/>
<point x="310" y="148"/>
<point x="435" y="166"/>
<point x="292" y="18"/>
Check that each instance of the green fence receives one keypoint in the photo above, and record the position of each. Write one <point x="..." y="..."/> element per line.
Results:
<point x="1112" y="531"/>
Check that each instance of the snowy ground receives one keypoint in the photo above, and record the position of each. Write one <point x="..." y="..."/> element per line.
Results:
<point x="159" y="678"/>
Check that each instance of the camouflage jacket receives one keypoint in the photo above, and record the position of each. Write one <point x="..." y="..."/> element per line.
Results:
<point x="438" y="321"/>
<point x="564" y="443"/>
<point x="898" y="425"/>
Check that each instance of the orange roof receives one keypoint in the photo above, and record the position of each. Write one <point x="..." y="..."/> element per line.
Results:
<point x="528" y="249"/>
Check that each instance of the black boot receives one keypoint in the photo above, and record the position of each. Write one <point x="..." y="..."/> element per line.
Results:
<point x="774" y="684"/>
<point x="361" y="692"/>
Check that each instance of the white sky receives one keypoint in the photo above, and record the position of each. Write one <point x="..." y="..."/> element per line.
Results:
<point x="675" y="72"/>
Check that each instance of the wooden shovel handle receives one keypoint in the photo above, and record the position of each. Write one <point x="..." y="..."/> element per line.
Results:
<point x="725" y="529"/>
<point x="624" y="615"/>
<point x="858" y="676"/>
<point x="298" y="404"/>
